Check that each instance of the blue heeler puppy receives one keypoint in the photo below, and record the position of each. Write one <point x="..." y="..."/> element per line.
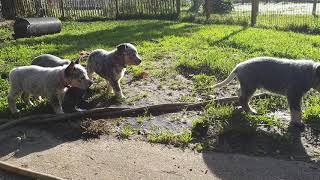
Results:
<point x="74" y="95"/>
<point x="112" y="65"/>
<point x="46" y="82"/>
<point x="48" y="60"/>
<point x="291" y="78"/>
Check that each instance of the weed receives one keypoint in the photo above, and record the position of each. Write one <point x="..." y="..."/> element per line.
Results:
<point x="168" y="137"/>
<point x="126" y="131"/>
<point x="137" y="98"/>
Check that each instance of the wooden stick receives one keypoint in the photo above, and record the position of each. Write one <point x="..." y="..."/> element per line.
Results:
<point x="125" y="112"/>
<point x="10" y="123"/>
<point x="26" y="172"/>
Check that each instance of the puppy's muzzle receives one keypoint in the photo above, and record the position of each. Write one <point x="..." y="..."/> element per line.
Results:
<point x="138" y="60"/>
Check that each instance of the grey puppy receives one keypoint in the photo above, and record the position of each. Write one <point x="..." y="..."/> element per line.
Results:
<point x="47" y="82"/>
<point x="112" y="65"/>
<point x="73" y="95"/>
<point x="48" y="60"/>
<point x="291" y="78"/>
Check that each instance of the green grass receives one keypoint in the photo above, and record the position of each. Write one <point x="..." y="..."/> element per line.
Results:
<point x="312" y="110"/>
<point x="203" y="83"/>
<point x="297" y="23"/>
<point x="126" y="131"/>
<point x="168" y="137"/>
<point x="205" y="52"/>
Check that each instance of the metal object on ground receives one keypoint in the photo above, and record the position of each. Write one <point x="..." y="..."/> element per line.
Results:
<point x="27" y="27"/>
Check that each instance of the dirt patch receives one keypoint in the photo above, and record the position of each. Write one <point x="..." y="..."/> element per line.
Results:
<point x="260" y="140"/>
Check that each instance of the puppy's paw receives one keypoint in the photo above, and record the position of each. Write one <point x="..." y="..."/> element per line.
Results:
<point x="79" y="109"/>
<point x="16" y="111"/>
<point x="120" y="96"/>
<point x="252" y="111"/>
<point x="59" y="111"/>
<point x="299" y="125"/>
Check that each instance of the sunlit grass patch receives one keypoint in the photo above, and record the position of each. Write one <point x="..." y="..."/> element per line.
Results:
<point x="168" y="137"/>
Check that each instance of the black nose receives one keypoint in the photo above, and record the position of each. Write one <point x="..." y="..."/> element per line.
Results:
<point x="138" y="61"/>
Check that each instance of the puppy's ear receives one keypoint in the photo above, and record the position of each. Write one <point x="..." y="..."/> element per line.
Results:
<point x="69" y="70"/>
<point x="77" y="61"/>
<point x="121" y="47"/>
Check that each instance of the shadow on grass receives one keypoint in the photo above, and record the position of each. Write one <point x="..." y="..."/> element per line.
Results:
<point x="111" y="37"/>
<point x="240" y="135"/>
<point x="186" y="70"/>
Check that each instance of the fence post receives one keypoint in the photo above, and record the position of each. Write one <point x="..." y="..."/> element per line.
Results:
<point x="208" y="6"/>
<point x="314" y="8"/>
<point x="178" y="7"/>
<point x="254" y="11"/>
<point x="62" y="9"/>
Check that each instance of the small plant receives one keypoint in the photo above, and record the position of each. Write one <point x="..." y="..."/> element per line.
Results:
<point x="200" y="127"/>
<point x="137" y="98"/>
<point x="219" y="111"/>
<point x="126" y="131"/>
<point x="140" y="119"/>
<point x="198" y="147"/>
<point x="187" y="98"/>
<point x="168" y="137"/>
<point x="270" y="104"/>
<point x="184" y="138"/>
<point x="203" y="83"/>
<point x="312" y="110"/>
<point x="164" y="137"/>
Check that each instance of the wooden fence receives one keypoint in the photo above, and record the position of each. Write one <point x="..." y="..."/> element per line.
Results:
<point x="90" y="9"/>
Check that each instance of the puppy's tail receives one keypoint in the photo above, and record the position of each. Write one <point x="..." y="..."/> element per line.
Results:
<point x="232" y="75"/>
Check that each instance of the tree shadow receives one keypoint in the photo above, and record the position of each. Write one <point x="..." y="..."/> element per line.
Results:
<point x="23" y="140"/>
<point x="186" y="70"/>
<point x="242" y="137"/>
<point x="136" y="33"/>
<point x="227" y="37"/>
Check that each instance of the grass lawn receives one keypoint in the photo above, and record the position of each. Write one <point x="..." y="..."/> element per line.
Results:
<point x="212" y="50"/>
<point x="203" y="53"/>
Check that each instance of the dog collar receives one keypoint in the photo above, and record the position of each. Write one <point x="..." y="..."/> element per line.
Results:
<point x="63" y="81"/>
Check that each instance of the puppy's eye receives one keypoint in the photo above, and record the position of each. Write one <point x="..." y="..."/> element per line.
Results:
<point x="82" y="78"/>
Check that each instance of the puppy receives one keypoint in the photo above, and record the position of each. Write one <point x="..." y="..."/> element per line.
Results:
<point x="46" y="82"/>
<point x="112" y="65"/>
<point x="291" y="78"/>
<point x="73" y="95"/>
<point x="48" y="60"/>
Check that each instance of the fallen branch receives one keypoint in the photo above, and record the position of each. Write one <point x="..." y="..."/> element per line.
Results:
<point x="26" y="172"/>
<point x="11" y="122"/>
<point x="126" y="112"/>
